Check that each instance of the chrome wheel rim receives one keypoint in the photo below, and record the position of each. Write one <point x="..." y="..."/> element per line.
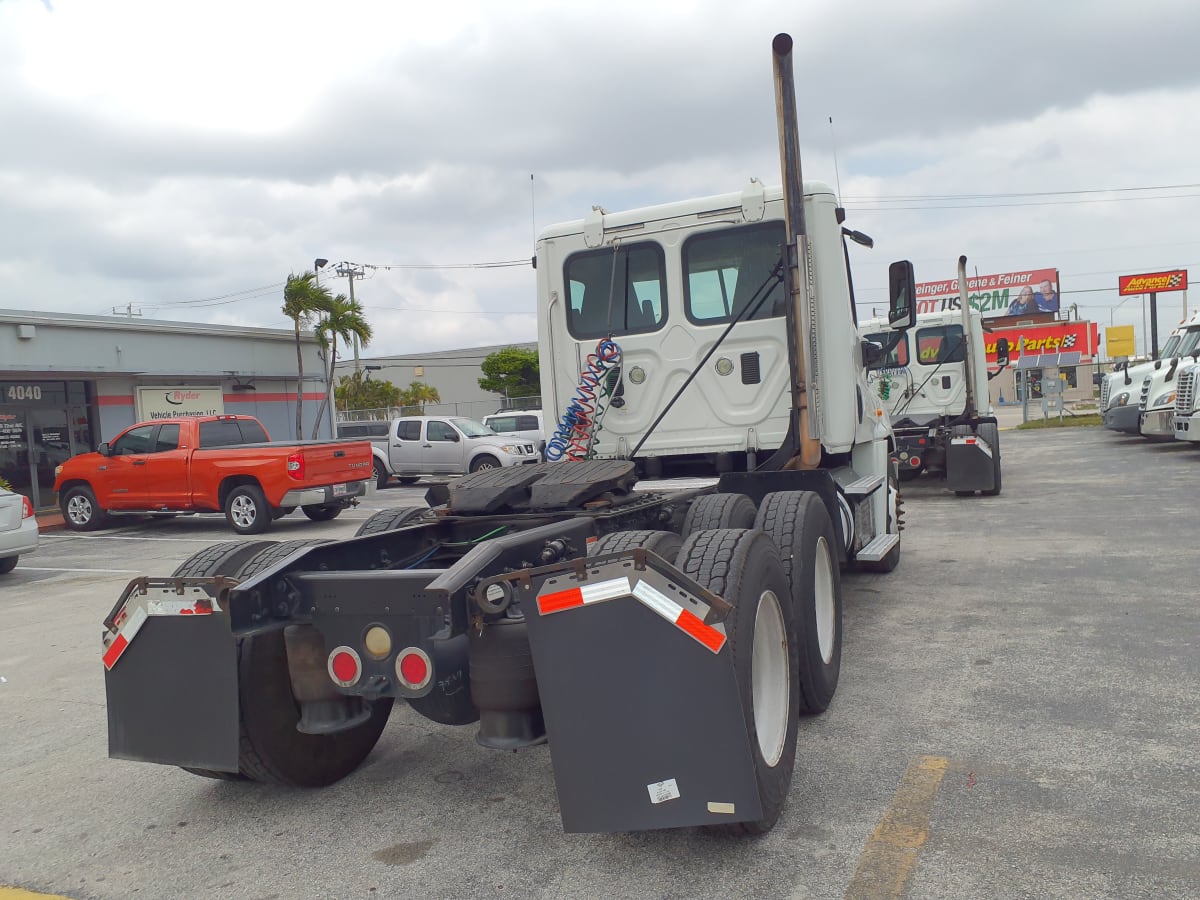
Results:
<point x="79" y="510"/>
<point x="243" y="511"/>
<point x="823" y="600"/>
<point x="770" y="678"/>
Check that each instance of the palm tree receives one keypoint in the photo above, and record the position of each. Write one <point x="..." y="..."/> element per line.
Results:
<point x="344" y="319"/>
<point x="302" y="299"/>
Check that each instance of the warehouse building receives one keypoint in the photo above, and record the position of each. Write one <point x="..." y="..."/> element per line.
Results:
<point x="69" y="382"/>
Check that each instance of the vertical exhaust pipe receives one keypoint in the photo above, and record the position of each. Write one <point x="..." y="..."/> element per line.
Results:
<point x="965" y="312"/>
<point x="798" y="262"/>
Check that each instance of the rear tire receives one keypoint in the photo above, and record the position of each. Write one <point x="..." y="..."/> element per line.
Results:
<point x="219" y="559"/>
<point x="381" y="475"/>
<point x="409" y="479"/>
<point x="246" y="510"/>
<point x="320" y="513"/>
<point x="710" y="511"/>
<point x="991" y="433"/>
<point x="666" y="544"/>
<point x="8" y="564"/>
<point x="799" y="525"/>
<point x="744" y="567"/>
<point x="389" y="519"/>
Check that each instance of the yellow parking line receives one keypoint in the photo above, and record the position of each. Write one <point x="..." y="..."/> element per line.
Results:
<point x="894" y="847"/>
<point x="15" y="893"/>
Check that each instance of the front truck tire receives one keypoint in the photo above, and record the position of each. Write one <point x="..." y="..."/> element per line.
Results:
<point x="743" y="566"/>
<point x="80" y="509"/>
<point x="799" y="525"/>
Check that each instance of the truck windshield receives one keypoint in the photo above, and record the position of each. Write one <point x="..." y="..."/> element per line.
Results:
<point x="1189" y="343"/>
<point x="471" y="428"/>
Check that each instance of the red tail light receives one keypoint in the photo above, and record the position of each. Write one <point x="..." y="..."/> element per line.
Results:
<point x="26" y="508"/>
<point x="295" y="465"/>
<point x="345" y="666"/>
<point x="414" y="668"/>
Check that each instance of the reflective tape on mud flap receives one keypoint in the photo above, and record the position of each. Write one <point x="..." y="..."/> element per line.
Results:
<point x="685" y="620"/>
<point x="134" y="614"/>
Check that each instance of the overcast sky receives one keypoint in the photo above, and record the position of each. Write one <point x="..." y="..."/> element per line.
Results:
<point x="179" y="159"/>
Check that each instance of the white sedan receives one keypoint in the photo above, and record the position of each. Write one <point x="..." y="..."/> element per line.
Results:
<point x="18" y="529"/>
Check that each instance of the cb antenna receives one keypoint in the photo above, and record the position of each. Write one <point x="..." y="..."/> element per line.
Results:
<point x="836" y="175"/>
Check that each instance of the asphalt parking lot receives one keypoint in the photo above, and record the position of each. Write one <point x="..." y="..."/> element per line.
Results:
<point x="1017" y="717"/>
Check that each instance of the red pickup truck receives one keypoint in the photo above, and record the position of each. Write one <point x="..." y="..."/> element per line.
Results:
<point x="211" y="464"/>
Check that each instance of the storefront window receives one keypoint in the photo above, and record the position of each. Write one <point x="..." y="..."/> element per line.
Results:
<point x="42" y="424"/>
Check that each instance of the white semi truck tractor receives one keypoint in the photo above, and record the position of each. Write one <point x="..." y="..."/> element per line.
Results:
<point x="663" y="643"/>
<point x="1159" y="387"/>
<point x="934" y="388"/>
<point x="1121" y="390"/>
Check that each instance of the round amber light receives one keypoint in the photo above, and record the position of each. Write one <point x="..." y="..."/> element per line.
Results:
<point x="377" y="641"/>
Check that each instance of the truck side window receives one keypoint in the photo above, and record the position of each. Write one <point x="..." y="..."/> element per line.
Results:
<point x="526" y="423"/>
<point x="726" y="271"/>
<point x="168" y="438"/>
<point x="252" y="432"/>
<point x="409" y="430"/>
<point x="502" y="424"/>
<point x="941" y="344"/>
<point x="898" y="358"/>
<point x="220" y="433"/>
<point x="632" y="279"/>
<point x="134" y="441"/>
<point x="440" y="431"/>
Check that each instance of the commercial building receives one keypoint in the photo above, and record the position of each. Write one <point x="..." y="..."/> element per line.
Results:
<point x="69" y="382"/>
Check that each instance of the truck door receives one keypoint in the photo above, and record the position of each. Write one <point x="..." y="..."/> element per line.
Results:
<point x="120" y="478"/>
<point x="405" y="455"/>
<point x="444" y="447"/>
<point x="165" y="478"/>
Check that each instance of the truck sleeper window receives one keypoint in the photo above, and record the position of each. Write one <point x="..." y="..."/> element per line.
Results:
<point x="941" y="344"/>
<point x="634" y="277"/>
<point x="898" y="357"/>
<point x="724" y="272"/>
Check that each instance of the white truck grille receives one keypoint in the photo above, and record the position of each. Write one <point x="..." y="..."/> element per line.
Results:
<point x="1105" y="390"/>
<point x="1185" y="392"/>
<point x="1145" y="401"/>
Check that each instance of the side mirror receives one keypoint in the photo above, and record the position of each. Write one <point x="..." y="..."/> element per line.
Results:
<point x="902" y="294"/>
<point x="872" y="355"/>
<point x="1002" y="351"/>
<point x="103" y="449"/>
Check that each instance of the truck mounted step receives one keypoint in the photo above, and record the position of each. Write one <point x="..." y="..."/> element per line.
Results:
<point x="878" y="548"/>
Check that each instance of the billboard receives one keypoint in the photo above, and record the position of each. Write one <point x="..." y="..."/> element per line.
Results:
<point x="1150" y="283"/>
<point x="1056" y="337"/>
<point x="1005" y="294"/>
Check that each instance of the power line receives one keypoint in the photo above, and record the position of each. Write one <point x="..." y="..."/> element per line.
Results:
<point x="858" y="208"/>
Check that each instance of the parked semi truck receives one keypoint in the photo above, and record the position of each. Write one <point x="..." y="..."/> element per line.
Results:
<point x="1121" y="389"/>
<point x="1156" y="399"/>
<point x="934" y="388"/>
<point x="664" y="643"/>
<point x="1187" y="402"/>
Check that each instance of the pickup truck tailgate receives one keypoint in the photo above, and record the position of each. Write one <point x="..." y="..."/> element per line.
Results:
<point x="336" y="463"/>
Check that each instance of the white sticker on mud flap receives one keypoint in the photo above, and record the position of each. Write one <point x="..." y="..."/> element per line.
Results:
<point x="662" y="791"/>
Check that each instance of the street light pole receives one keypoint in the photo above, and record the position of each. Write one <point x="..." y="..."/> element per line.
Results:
<point x="351" y="271"/>
<point x="318" y="264"/>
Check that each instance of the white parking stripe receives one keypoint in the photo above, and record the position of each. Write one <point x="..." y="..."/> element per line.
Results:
<point x="48" y="569"/>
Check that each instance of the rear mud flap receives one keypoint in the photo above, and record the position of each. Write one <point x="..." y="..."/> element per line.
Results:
<point x="969" y="465"/>
<point x="645" y="721"/>
<point x="173" y="694"/>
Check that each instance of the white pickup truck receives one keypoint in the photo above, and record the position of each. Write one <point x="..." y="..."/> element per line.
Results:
<point x="414" y="446"/>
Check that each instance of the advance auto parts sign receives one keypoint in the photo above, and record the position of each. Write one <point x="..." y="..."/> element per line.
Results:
<point x="1061" y="337"/>
<point x="173" y="402"/>
<point x="1152" y="283"/>
<point x="993" y="295"/>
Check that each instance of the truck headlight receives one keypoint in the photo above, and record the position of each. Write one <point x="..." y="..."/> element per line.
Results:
<point x="1164" y="399"/>
<point x="513" y="449"/>
<point x="1120" y="399"/>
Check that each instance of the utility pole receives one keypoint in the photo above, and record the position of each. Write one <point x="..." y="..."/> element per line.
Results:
<point x="129" y="313"/>
<point x="352" y="271"/>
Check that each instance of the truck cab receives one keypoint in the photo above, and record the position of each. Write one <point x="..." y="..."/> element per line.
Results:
<point x="1121" y="390"/>
<point x="1158" y="389"/>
